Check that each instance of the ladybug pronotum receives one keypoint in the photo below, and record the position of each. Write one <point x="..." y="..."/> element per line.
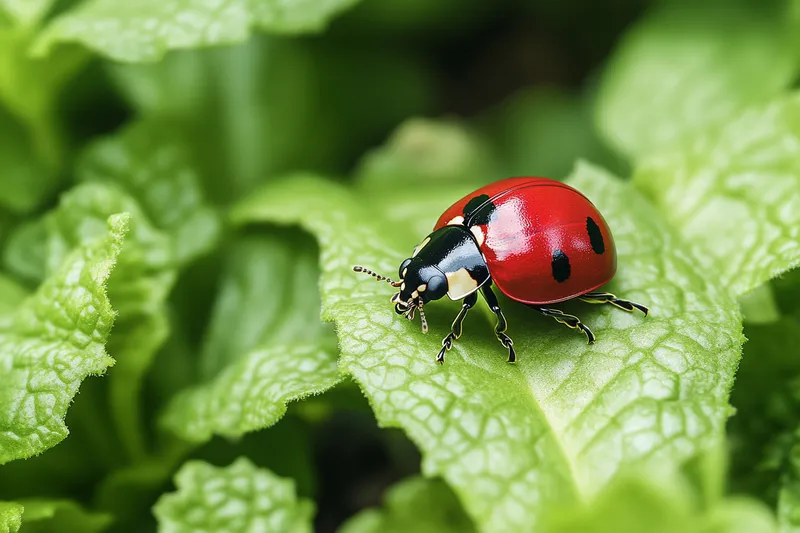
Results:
<point x="538" y="240"/>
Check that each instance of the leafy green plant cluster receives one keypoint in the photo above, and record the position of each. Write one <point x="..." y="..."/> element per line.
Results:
<point x="180" y="211"/>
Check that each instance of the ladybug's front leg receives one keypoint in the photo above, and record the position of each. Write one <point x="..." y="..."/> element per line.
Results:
<point x="502" y="325"/>
<point x="456" y="329"/>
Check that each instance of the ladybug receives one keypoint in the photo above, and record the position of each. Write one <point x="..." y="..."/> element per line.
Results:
<point x="538" y="240"/>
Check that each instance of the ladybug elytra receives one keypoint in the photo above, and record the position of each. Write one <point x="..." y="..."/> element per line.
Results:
<point x="538" y="240"/>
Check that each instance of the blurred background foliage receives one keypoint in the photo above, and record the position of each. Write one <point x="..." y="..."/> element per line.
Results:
<point x="448" y="94"/>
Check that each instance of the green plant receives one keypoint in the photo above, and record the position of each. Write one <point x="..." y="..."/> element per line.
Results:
<point x="179" y="321"/>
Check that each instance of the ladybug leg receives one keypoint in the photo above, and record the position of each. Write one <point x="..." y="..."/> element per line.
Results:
<point x="502" y="325"/>
<point x="608" y="298"/>
<point x="570" y="321"/>
<point x="456" y="328"/>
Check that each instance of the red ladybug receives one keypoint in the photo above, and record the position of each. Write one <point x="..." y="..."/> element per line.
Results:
<point x="539" y="240"/>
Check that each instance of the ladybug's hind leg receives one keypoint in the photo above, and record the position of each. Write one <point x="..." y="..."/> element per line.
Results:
<point x="456" y="329"/>
<point x="608" y="298"/>
<point x="570" y="321"/>
<point x="502" y="325"/>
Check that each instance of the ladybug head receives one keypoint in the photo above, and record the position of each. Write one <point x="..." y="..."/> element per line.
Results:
<point x="420" y="283"/>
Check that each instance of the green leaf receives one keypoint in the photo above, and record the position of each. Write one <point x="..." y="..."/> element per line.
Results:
<point x="685" y="67"/>
<point x="759" y="305"/>
<point x="26" y="12"/>
<point x="415" y="504"/>
<point x="514" y="440"/>
<point x="636" y="504"/>
<point x="238" y="498"/>
<point x="25" y="179"/>
<point x="11" y="296"/>
<point x="266" y="345"/>
<point x="427" y="151"/>
<point x="10" y="517"/>
<point x="767" y="408"/>
<point x="145" y="30"/>
<point x="734" y="193"/>
<point x="152" y="163"/>
<point x="268" y="295"/>
<point x="61" y="515"/>
<point x="57" y="339"/>
<point x="252" y="393"/>
<point x="542" y="132"/>
<point x="238" y="123"/>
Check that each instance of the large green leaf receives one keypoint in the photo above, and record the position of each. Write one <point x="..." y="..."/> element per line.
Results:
<point x="265" y="344"/>
<point x="57" y="339"/>
<point x="145" y="30"/>
<point x="10" y="517"/>
<point x="684" y="67"/>
<point x="237" y="498"/>
<point x="415" y="504"/>
<point x="514" y="440"/>
<point x="734" y="193"/>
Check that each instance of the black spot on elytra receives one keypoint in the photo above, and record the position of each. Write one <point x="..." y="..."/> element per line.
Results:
<point x="479" y="210"/>
<point x="595" y="236"/>
<point x="561" y="268"/>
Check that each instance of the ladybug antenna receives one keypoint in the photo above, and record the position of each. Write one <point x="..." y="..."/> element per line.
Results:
<point x="376" y="276"/>
<point x="422" y="316"/>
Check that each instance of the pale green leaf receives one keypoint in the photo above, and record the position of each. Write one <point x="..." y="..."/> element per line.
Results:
<point x="684" y="67"/>
<point x="26" y="12"/>
<point x="415" y="504"/>
<point x="252" y="393"/>
<point x="45" y="515"/>
<point x="57" y="339"/>
<point x="11" y="296"/>
<point x="636" y="504"/>
<point x="145" y="30"/>
<point x="734" y="193"/>
<point x="10" y="517"/>
<point x="759" y="306"/>
<point x="237" y="498"/>
<point x="265" y="346"/>
<point x="151" y="162"/>
<point x="427" y="151"/>
<point x="514" y="440"/>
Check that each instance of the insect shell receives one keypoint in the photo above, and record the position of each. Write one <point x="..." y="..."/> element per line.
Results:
<point x="539" y="241"/>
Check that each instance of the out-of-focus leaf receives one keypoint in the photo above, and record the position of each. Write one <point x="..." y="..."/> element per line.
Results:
<point x="759" y="305"/>
<point x="415" y="504"/>
<point x="44" y="515"/>
<point x="426" y="152"/>
<point x="687" y="66"/>
<point x="238" y="499"/>
<point x="11" y="296"/>
<point x="26" y="12"/>
<point x="767" y="408"/>
<point x="266" y="344"/>
<point x="635" y="505"/>
<point x="513" y="441"/>
<point x="268" y="295"/>
<point x="734" y="193"/>
<point x="25" y="178"/>
<point x="223" y="103"/>
<point x="145" y="30"/>
<point x="56" y="340"/>
<point x="542" y="132"/>
<point x="151" y="162"/>
<point x="10" y="517"/>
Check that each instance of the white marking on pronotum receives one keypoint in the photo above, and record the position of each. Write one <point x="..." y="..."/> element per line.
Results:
<point x="460" y="283"/>
<point x="456" y="221"/>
